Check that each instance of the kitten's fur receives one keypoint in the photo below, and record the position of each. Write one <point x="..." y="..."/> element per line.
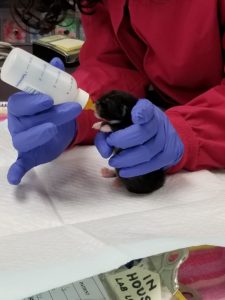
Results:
<point x="117" y="105"/>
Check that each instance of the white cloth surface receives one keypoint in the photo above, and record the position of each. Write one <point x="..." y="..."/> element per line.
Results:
<point x="65" y="222"/>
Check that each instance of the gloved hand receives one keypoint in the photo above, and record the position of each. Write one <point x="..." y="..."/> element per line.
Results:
<point x="150" y="143"/>
<point x="40" y="130"/>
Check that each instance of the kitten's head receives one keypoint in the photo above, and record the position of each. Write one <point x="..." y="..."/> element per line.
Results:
<point x="115" y="105"/>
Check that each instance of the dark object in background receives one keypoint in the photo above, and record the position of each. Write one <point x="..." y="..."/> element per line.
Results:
<point x="4" y="3"/>
<point x="67" y="49"/>
<point x="117" y="105"/>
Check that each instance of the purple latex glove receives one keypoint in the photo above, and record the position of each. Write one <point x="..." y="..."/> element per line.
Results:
<point x="150" y="143"/>
<point x="40" y="130"/>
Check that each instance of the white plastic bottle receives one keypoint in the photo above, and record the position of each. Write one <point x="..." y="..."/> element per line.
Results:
<point x="31" y="74"/>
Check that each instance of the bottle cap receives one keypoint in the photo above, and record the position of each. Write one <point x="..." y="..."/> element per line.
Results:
<point x="82" y="97"/>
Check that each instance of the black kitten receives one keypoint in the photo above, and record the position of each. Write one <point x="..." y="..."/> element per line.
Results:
<point x="115" y="108"/>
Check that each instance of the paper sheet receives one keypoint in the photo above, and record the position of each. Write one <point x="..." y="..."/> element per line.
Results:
<point x="88" y="289"/>
<point x="65" y="222"/>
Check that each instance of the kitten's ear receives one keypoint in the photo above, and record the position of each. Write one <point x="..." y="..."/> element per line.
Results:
<point x="102" y="127"/>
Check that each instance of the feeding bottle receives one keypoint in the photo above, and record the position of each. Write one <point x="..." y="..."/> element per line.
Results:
<point x="33" y="75"/>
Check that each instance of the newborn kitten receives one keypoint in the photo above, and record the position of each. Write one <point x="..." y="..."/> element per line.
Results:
<point x="115" y="108"/>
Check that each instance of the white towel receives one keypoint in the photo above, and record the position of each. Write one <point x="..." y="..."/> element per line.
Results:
<point x="65" y="222"/>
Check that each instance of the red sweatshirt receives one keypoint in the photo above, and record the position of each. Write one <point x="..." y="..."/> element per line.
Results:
<point x="177" y="47"/>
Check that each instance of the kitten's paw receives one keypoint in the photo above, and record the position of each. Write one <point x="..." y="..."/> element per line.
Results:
<point x="108" y="173"/>
<point x="97" y="125"/>
<point x="102" y="126"/>
<point x="117" y="183"/>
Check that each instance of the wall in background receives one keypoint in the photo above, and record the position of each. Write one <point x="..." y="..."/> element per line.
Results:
<point x="12" y="33"/>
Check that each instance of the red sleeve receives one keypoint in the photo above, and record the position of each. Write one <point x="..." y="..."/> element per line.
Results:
<point x="103" y="67"/>
<point x="201" y="126"/>
<point x="201" y="122"/>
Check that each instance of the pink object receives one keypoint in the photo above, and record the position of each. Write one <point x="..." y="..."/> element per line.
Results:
<point x="13" y="33"/>
<point x="204" y="271"/>
<point x="3" y="117"/>
<point x="108" y="173"/>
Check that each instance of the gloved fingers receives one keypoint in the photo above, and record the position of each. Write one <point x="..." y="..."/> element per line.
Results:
<point x="142" y="112"/>
<point x="139" y="154"/>
<point x="18" y="170"/>
<point x="58" y="115"/>
<point x="102" y="146"/>
<point x="34" y="137"/>
<point x="174" y="150"/>
<point x="58" y="63"/>
<point x="130" y="157"/>
<point x="23" y="104"/>
<point x="133" y="135"/>
<point x="156" y="163"/>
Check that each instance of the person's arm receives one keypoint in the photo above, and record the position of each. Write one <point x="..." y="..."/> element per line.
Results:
<point x="190" y="136"/>
<point x="103" y="67"/>
<point x="201" y="126"/>
<point x="201" y="122"/>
